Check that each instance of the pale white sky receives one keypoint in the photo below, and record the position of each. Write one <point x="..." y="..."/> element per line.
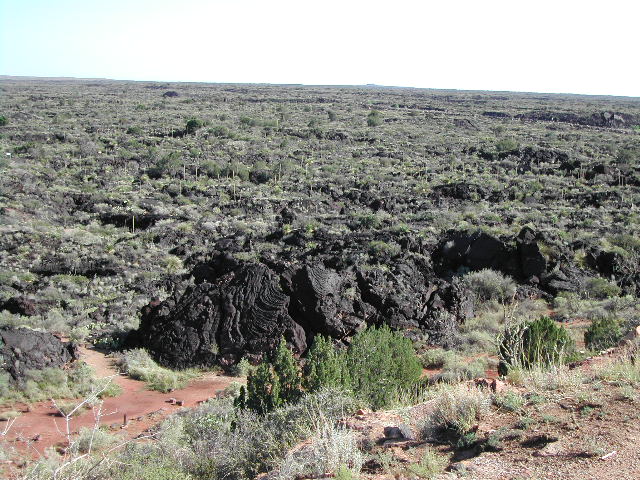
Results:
<point x="543" y="46"/>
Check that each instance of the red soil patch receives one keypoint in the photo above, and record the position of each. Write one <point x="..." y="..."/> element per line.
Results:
<point x="143" y="408"/>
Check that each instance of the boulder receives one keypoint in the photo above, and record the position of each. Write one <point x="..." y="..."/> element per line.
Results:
<point x="20" y="306"/>
<point x="237" y="308"/>
<point x="243" y="312"/>
<point x="22" y="349"/>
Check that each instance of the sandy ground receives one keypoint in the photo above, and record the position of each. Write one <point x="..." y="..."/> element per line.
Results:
<point x="38" y="427"/>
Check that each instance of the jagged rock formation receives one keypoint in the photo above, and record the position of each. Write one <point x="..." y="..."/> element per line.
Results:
<point x="520" y="259"/>
<point x="240" y="308"/>
<point x="22" y="349"/>
<point x="235" y="308"/>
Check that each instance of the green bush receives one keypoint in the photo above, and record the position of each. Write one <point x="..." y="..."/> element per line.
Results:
<point x="3" y="120"/>
<point x="324" y="367"/>
<point x="456" y="410"/>
<point x="506" y="145"/>
<point x="601" y="289"/>
<point x="489" y="285"/>
<point x="374" y="119"/>
<point x="221" y="131"/>
<point x="273" y="384"/>
<point x="193" y="125"/>
<point x="77" y="382"/>
<point x="540" y="342"/>
<point x="139" y="365"/>
<point x="603" y="333"/>
<point x="381" y="364"/>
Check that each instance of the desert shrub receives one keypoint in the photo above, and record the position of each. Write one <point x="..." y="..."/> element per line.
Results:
<point x="489" y="285"/>
<point x="379" y="248"/>
<point x="324" y="366"/>
<point x="457" y="369"/>
<point x="241" y="369"/>
<point x="139" y="365"/>
<point x="211" y="168"/>
<point x="92" y="439"/>
<point x="603" y="333"/>
<point x="224" y="442"/>
<point x="330" y="448"/>
<point x="600" y="288"/>
<point x="134" y="130"/>
<point x="436" y="357"/>
<point x="192" y="125"/>
<point x="380" y="364"/>
<point x="56" y="383"/>
<point x="623" y="371"/>
<point x="3" y="120"/>
<point x="221" y="131"/>
<point x="374" y="118"/>
<point x="506" y="145"/>
<point x="456" y="411"/>
<point x="510" y="400"/>
<point x="540" y="342"/>
<point x="430" y="465"/>
<point x="274" y="383"/>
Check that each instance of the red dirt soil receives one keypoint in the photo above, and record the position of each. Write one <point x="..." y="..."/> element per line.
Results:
<point x="143" y="408"/>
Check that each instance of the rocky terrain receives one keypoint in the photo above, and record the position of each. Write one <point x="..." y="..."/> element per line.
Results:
<point x="205" y="222"/>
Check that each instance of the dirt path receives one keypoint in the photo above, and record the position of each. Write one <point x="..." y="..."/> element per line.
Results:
<point x="39" y="427"/>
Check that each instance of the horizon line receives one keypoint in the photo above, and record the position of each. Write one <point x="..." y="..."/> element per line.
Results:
<point x="310" y="85"/>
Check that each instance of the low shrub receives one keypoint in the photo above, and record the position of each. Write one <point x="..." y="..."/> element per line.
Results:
<point x="331" y="449"/>
<point x="603" y="333"/>
<point x="374" y="118"/>
<point x="55" y="383"/>
<point x="540" y="342"/>
<point x="601" y="288"/>
<point x="509" y="400"/>
<point x="224" y="442"/>
<point x="139" y="365"/>
<point x="456" y="411"/>
<point x="487" y="285"/>
<point x="457" y="369"/>
<point x="430" y="465"/>
<point x="381" y="364"/>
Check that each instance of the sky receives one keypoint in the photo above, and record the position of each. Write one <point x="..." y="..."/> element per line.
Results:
<point x="560" y="46"/>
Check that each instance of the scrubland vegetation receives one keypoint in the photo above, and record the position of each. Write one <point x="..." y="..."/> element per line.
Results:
<point x="438" y="263"/>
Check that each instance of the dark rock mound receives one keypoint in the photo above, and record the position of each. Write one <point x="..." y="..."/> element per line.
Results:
<point x="20" y="306"/>
<point x="237" y="308"/>
<point x="320" y="300"/>
<point x="597" y="119"/>
<point x="125" y="220"/>
<point x="22" y="349"/>
<point x="496" y="114"/>
<point x="520" y="259"/>
<point x="243" y="311"/>
<point x="460" y="191"/>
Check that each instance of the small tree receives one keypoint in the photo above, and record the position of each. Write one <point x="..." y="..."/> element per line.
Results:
<point x="288" y="372"/>
<point x="275" y="383"/>
<point x="541" y="342"/>
<point x="374" y="118"/>
<point x="3" y="120"/>
<point x="193" y="125"/>
<point x="263" y="389"/>
<point x="325" y="366"/>
<point x="381" y="364"/>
